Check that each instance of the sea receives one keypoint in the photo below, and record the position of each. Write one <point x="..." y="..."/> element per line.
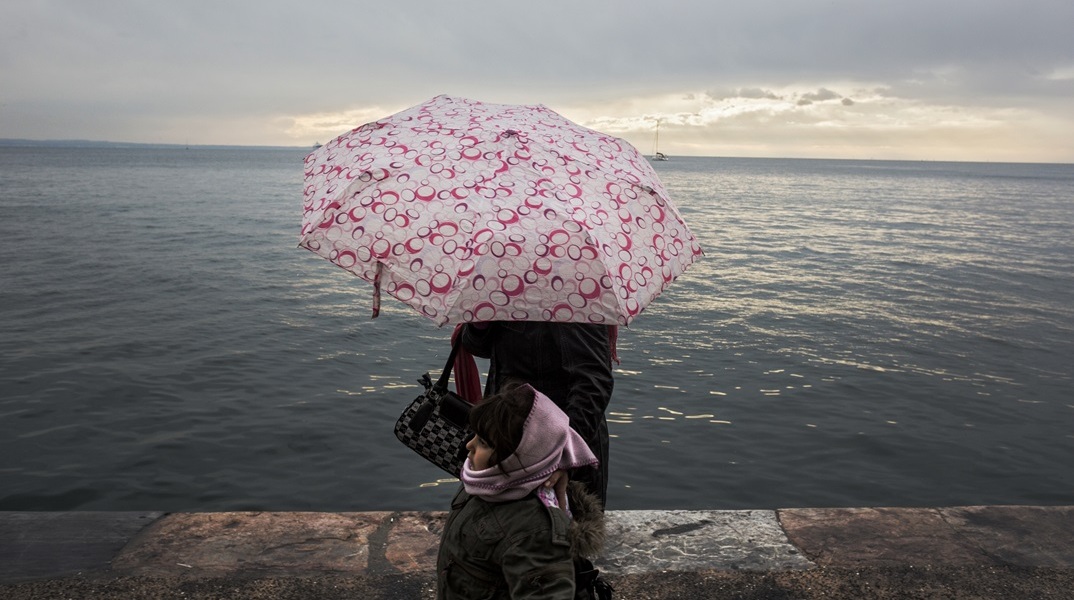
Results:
<point x="858" y="333"/>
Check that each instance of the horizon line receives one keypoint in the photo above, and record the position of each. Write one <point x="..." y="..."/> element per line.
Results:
<point x="84" y="143"/>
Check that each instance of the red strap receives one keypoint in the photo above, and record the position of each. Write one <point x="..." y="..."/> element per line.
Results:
<point x="467" y="379"/>
<point x="613" y="337"/>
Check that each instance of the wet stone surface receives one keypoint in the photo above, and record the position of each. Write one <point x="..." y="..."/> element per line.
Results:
<point x="51" y="544"/>
<point x="877" y="536"/>
<point x="217" y="544"/>
<point x="412" y="543"/>
<point x="1028" y="536"/>
<point x="979" y="553"/>
<point x="645" y="540"/>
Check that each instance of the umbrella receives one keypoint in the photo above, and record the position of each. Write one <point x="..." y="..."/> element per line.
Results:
<point x="470" y="211"/>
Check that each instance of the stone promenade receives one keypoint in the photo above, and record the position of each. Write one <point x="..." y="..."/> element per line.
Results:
<point x="960" y="552"/>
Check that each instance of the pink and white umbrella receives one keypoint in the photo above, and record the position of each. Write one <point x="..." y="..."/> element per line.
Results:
<point x="470" y="211"/>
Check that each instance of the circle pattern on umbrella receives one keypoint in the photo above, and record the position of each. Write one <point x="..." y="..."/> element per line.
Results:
<point x="469" y="211"/>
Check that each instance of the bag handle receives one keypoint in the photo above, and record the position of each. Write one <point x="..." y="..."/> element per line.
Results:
<point x="442" y="383"/>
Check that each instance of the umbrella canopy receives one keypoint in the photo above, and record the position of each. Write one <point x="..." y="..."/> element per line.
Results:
<point x="469" y="211"/>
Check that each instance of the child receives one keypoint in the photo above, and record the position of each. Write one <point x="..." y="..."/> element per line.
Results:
<point x="502" y="540"/>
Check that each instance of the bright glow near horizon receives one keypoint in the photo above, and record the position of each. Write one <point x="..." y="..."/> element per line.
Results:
<point x="967" y="80"/>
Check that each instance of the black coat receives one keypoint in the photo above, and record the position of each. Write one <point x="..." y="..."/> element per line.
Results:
<point x="517" y="549"/>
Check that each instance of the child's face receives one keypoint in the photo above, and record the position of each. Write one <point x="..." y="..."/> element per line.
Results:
<point x="479" y="454"/>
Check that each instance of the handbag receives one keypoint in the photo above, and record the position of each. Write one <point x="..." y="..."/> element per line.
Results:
<point x="436" y="424"/>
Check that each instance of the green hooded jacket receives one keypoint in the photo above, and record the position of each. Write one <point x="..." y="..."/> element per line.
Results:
<point x="516" y="550"/>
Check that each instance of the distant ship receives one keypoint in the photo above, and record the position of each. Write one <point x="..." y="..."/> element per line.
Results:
<point x="316" y="145"/>
<point x="657" y="154"/>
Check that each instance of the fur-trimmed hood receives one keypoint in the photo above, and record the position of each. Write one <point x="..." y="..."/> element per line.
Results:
<point x="586" y="531"/>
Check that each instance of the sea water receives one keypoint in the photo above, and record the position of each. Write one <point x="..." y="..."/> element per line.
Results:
<point x="859" y="333"/>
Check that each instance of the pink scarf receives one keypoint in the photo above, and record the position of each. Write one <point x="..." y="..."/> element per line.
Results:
<point x="548" y="444"/>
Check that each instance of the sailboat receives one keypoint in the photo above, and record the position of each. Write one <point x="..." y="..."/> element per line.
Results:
<point x="657" y="154"/>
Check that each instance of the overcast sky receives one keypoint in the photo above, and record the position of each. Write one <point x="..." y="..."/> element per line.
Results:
<point x="907" y="79"/>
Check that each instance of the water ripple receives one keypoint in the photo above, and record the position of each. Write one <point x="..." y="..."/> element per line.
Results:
<point x="858" y="333"/>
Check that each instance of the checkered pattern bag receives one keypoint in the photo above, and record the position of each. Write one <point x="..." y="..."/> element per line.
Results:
<point x="436" y="423"/>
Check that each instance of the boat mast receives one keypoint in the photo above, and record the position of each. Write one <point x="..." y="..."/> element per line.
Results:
<point x="657" y="155"/>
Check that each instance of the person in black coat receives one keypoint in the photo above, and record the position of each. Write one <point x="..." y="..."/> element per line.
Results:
<point x="571" y="363"/>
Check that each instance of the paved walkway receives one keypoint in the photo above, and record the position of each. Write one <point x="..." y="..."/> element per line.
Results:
<point x="964" y="552"/>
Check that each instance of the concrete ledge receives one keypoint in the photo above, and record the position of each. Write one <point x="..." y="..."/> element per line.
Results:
<point x="53" y="544"/>
<point x="258" y="543"/>
<point x="1026" y="536"/>
<point x="1014" y="544"/>
<point x="646" y="541"/>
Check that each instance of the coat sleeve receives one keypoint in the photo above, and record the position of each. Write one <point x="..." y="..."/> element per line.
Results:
<point x="587" y="361"/>
<point x="537" y="569"/>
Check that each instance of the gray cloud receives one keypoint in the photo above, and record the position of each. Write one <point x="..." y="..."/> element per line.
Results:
<point x="757" y="93"/>
<point x="820" y="95"/>
<point x="85" y="62"/>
